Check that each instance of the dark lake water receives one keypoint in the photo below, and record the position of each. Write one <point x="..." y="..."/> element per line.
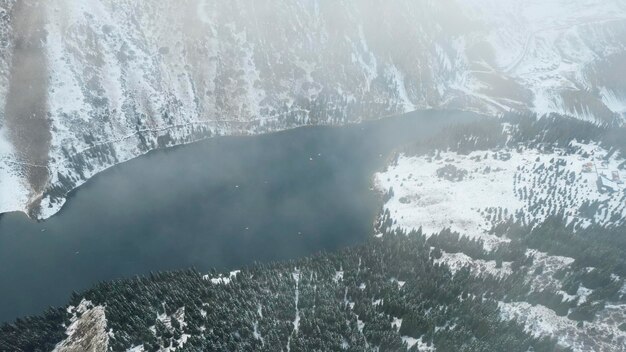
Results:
<point x="224" y="203"/>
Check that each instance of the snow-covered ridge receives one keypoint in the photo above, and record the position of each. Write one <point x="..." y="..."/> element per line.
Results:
<point x="526" y="185"/>
<point x="126" y="77"/>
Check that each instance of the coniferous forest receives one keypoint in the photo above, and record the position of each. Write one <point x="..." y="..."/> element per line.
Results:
<point x="359" y="299"/>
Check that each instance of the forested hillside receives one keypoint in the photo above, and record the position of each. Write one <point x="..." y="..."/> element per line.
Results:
<point x="386" y="295"/>
<point x="545" y="196"/>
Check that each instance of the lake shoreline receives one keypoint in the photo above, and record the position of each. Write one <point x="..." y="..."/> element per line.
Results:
<point x="220" y="203"/>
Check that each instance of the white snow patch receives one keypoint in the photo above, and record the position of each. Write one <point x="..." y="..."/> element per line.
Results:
<point x="478" y="267"/>
<point x="221" y="279"/>
<point x="421" y="345"/>
<point x="360" y="325"/>
<point x="396" y="323"/>
<point x="257" y="334"/>
<point x="550" y="265"/>
<point x="614" y="101"/>
<point x="400" y="85"/>
<point x="296" y="320"/>
<point x="499" y="184"/>
<point x="600" y="335"/>
<point x="179" y="316"/>
<point x="338" y="276"/>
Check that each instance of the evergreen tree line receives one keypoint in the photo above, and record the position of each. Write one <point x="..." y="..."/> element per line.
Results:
<point x="256" y="311"/>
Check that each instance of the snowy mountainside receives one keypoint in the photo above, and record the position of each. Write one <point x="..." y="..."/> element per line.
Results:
<point x="499" y="191"/>
<point x="522" y="184"/>
<point x="560" y="51"/>
<point x="111" y="80"/>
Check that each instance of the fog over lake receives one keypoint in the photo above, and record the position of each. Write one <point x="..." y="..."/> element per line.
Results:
<point x="225" y="203"/>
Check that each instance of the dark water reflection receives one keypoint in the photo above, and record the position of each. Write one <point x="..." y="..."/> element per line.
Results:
<point x="223" y="203"/>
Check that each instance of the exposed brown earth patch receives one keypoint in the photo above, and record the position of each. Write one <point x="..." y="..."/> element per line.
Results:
<point x="26" y="104"/>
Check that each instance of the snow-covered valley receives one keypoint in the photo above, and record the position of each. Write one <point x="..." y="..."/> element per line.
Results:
<point x="475" y="192"/>
<point x="115" y="80"/>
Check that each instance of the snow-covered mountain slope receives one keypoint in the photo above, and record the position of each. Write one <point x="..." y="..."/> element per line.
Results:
<point x="603" y="335"/>
<point x="471" y="193"/>
<point x="501" y="177"/>
<point x="85" y="85"/>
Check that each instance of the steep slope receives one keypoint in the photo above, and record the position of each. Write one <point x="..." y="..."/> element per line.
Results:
<point x="86" y="86"/>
